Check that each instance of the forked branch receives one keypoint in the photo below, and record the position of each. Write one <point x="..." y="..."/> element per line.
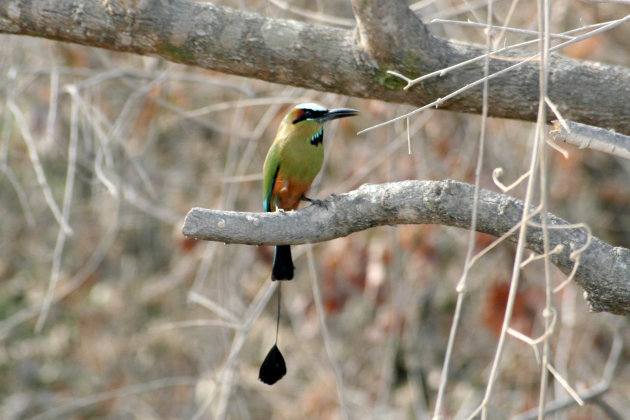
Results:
<point x="388" y="37"/>
<point x="603" y="270"/>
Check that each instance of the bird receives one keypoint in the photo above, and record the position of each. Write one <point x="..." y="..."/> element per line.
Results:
<point x="292" y="163"/>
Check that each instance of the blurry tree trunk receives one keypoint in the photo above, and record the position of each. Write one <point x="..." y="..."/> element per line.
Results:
<point x="388" y="36"/>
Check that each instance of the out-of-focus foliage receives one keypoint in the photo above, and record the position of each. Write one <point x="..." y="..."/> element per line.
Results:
<point x="144" y="320"/>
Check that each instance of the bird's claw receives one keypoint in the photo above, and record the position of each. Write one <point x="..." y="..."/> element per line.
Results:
<point x="321" y="203"/>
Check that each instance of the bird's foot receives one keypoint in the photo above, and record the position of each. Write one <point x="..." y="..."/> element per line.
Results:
<point x="321" y="203"/>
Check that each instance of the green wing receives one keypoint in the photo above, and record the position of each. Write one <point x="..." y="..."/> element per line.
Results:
<point x="270" y="172"/>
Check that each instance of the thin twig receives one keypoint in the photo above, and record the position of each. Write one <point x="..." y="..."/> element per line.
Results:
<point x="195" y="323"/>
<point x="544" y="17"/>
<point x="103" y="246"/>
<point x="38" y="168"/>
<point x="321" y="316"/>
<point x="213" y="307"/>
<point x="495" y="27"/>
<point x="224" y="381"/>
<point x="612" y="365"/>
<point x="67" y="202"/>
<point x="53" y="103"/>
<point x="472" y="234"/>
<point x="78" y="403"/>
<point x="316" y="16"/>
<point x="523" y="61"/>
<point x="595" y="27"/>
<point x="572" y="392"/>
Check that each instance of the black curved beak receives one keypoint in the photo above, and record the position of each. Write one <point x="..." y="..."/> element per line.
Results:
<point x="333" y="114"/>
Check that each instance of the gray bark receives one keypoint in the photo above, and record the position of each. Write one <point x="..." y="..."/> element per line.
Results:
<point x="603" y="271"/>
<point x="350" y="62"/>
<point x="586" y="136"/>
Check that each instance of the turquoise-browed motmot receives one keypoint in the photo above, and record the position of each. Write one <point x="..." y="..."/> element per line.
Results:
<point x="293" y="161"/>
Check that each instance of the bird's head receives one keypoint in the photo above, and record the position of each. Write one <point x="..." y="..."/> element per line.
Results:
<point x="308" y="119"/>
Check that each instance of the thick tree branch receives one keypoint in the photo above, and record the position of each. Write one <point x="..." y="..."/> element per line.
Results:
<point x="349" y="62"/>
<point x="603" y="270"/>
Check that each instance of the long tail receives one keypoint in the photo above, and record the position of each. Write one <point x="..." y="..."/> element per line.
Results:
<point x="282" y="264"/>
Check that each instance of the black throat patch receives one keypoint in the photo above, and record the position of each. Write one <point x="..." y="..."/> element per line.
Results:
<point x="318" y="138"/>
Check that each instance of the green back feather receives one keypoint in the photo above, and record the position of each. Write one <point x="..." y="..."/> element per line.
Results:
<point x="294" y="154"/>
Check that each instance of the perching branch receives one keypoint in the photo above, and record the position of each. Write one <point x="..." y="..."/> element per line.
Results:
<point x="603" y="270"/>
<point x="350" y="62"/>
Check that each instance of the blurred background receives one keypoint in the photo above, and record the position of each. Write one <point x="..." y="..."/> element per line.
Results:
<point x="144" y="323"/>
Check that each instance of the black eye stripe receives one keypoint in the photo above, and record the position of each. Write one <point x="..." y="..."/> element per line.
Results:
<point x="309" y="114"/>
